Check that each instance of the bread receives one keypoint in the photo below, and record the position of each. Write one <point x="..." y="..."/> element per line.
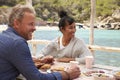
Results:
<point x="45" y="66"/>
<point x="57" y="69"/>
<point x="38" y="64"/>
<point x="41" y="65"/>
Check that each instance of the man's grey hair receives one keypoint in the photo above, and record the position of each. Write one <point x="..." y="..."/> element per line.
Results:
<point x="18" y="13"/>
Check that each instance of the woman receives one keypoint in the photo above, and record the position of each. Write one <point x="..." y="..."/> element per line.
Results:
<point x="67" y="47"/>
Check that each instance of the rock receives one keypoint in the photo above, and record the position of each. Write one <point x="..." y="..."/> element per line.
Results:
<point x="107" y="20"/>
<point x="116" y="14"/>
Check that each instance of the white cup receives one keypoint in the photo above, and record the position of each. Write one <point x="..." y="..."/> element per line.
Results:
<point x="89" y="62"/>
<point x="74" y="63"/>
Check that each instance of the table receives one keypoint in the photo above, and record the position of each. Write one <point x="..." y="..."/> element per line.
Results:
<point x="82" y="68"/>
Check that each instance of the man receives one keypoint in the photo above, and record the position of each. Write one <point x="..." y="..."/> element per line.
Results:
<point x="15" y="56"/>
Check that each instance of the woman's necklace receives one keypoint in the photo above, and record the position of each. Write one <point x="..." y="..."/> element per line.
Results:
<point x="65" y="42"/>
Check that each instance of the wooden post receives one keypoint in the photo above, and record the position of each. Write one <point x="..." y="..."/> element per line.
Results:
<point x="34" y="47"/>
<point x="92" y="17"/>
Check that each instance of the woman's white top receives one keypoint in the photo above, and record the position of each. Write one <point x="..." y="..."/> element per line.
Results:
<point x="75" y="49"/>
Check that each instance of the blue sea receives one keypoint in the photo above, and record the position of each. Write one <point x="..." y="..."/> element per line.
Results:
<point x="109" y="38"/>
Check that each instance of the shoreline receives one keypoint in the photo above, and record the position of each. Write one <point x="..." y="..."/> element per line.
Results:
<point x="47" y="28"/>
<point x="4" y="27"/>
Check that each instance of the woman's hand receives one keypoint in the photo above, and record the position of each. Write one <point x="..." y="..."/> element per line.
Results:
<point x="47" y="59"/>
<point x="65" y="59"/>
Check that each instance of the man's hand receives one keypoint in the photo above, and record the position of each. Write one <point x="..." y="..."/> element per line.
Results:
<point x="74" y="72"/>
<point x="71" y="73"/>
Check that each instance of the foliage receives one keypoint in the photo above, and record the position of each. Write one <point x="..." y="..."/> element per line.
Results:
<point x="105" y="7"/>
<point x="4" y="6"/>
<point x="79" y="9"/>
<point x="10" y="2"/>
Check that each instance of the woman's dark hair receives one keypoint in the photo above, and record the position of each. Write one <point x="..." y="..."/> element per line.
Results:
<point x="65" y="19"/>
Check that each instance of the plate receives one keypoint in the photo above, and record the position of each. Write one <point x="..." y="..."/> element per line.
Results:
<point x="100" y="76"/>
<point x="117" y="75"/>
<point x="90" y="72"/>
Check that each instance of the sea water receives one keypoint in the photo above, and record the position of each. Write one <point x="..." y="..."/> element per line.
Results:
<point x="109" y="38"/>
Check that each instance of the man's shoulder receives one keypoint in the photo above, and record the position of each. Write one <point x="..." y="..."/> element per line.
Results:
<point x="9" y="34"/>
<point x="10" y="38"/>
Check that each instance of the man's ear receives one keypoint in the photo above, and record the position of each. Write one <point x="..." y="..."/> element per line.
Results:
<point x="16" y="23"/>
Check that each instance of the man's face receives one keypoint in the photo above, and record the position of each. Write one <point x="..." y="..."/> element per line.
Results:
<point x="26" y="27"/>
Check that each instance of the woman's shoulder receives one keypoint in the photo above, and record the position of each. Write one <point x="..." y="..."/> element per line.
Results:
<point x="78" y="39"/>
<point x="56" y="39"/>
<point x="54" y="42"/>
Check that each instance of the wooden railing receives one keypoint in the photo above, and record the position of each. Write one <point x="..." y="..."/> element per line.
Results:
<point x="104" y="48"/>
<point x="34" y="44"/>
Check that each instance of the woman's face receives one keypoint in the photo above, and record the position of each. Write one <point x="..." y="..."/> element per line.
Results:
<point x="69" y="30"/>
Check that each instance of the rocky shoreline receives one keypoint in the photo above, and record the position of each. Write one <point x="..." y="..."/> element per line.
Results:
<point x="108" y="26"/>
<point x="113" y="26"/>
